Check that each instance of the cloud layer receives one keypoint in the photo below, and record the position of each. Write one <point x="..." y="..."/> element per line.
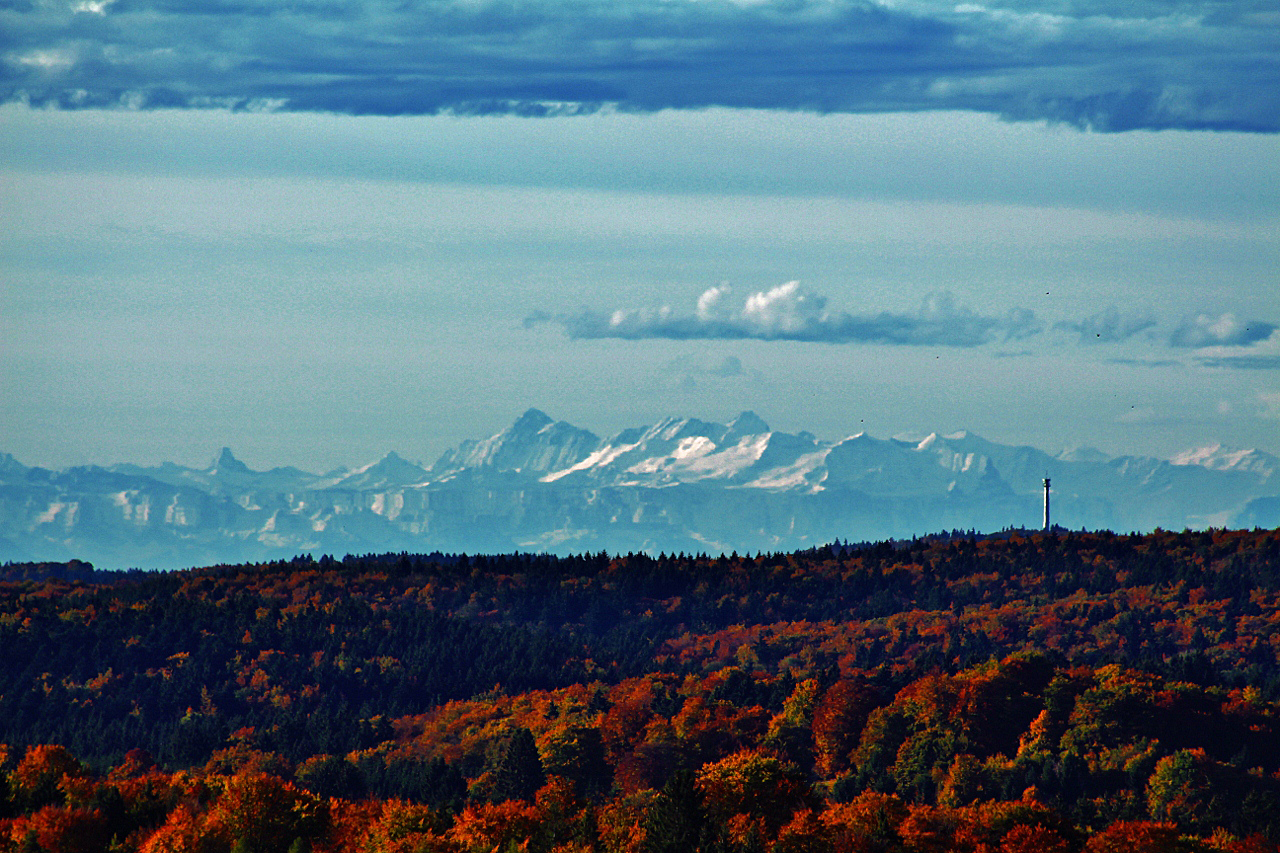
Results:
<point x="1105" y="64"/>
<point x="789" y="312"/>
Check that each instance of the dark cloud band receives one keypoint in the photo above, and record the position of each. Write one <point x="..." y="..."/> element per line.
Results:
<point x="1111" y="65"/>
<point x="1109" y="326"/>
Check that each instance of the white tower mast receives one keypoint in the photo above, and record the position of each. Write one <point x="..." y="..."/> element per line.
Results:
<point x="1046" y="504"/>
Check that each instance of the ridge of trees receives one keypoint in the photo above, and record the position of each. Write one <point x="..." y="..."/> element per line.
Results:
<point x="1050" y="691"/>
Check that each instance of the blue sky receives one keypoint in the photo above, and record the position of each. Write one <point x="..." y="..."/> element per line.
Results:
<point x="319" y="232"/>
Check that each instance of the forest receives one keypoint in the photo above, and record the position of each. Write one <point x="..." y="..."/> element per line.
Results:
<point x="1022" y="693"/>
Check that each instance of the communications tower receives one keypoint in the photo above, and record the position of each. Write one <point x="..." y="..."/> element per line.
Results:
<point x="1046" y="504"/>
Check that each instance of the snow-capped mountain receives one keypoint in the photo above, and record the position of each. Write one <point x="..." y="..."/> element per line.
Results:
<point x="533" y="444"/>
<point x="391" y="471"/>
<point x="1219" y="458"/>
<point x="686" y="450"/>
<point x="678" y="485"/>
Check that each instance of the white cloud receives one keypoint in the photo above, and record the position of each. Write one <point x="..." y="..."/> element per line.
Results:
<point x="711" y="303"/>
<point x="1207" y="330"/>
<point x="92" y="7"/>
<point x="783" y="310"/>
<point x="789" y="312"/>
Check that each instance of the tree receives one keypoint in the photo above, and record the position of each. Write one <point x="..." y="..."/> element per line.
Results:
<point x="577" y="753"/>
<point x="518" y="774"/>
<point x="66" y="830"/>
<point x="869" y="822"/>
<point x="1179" y="789"/>
<point x="264" y="814"/>
<point x="752" y="785"/>
<point x="331" y="776"/>
<point x="838" y="720"/>
<point x="1033" y="839"/>
<point x="494" y="826"/>
<point x="675" y="819"/>
<point x="1136" y="836"/>
<point x="804" y="834"/>
<point x="40" y="772"/>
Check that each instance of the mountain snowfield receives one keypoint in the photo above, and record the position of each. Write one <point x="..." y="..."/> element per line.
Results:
<point x="679" y="485"/>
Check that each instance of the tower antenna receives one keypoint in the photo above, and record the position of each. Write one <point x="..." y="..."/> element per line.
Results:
<point x="1046" y="504"/>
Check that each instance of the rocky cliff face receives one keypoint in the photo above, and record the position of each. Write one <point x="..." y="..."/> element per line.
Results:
<point x="678" y="485"/>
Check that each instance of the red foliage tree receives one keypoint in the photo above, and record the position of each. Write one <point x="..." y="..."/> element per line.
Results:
<point x="66" y="830"/>
<point x="1135" y="836"/>
<point x="838" y="720"/>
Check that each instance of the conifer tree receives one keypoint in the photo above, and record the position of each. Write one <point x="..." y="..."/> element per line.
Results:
<point x="519" y="773"/>
<point x="675" y="821"/>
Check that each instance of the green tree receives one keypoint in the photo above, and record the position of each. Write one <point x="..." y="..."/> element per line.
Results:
<point x="675" y="820"/>
<point x="1179" y="789"/>
<point x="331" y="776"/>
<point x="518" y="774"/>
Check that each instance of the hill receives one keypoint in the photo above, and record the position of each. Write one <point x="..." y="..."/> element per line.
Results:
<point x="1057" y="691"/>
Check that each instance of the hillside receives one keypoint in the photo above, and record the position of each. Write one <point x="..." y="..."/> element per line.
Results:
<point x="1048" y="692"/>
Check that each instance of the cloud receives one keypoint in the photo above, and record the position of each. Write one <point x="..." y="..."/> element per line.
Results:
<point x="1207" y="330"/>
<point x="1107" y="64"/>
<point x="729" y="366"/>
<point x="1242" y="362"/>
<point x="1270" y="401"/>
<point x="789" y="312"/>
<point x="1109" y="326"/>
<point x="1146" y="362"/>
<point x="692" y="371"/>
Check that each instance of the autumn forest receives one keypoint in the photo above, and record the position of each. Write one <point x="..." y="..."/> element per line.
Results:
<point x="1022" y="693"/>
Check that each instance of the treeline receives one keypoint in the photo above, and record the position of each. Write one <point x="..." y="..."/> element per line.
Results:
<point x="1058" y="691"/>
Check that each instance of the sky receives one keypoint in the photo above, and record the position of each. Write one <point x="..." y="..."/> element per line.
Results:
<point x="320" y="231"/>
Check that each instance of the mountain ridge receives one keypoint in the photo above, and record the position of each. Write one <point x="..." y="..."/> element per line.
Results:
<point x="679" y="484"/>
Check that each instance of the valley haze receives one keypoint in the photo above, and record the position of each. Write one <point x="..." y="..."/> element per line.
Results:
<point x="678" y="485"/>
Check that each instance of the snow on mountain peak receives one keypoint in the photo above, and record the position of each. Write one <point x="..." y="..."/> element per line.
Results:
<point x="671" y="429"/>
<point x="1219" y="458"/>
<point x="390" y="470"/>
<point x="699" y="457"/>
<point x="534" y="443"/>
<point x="1082" y="454"/>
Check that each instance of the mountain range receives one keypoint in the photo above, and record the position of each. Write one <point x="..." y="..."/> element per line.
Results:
<point x="679" y="485"/>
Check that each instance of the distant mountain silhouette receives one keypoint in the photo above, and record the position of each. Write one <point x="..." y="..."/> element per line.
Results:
<point x="680" y="484"/>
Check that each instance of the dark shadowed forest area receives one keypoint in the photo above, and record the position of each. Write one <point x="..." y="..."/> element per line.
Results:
<point x="1033" y="693"/>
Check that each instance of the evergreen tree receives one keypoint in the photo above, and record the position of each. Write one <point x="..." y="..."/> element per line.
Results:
<point x="519" y="774"/>
<point x="331" y="776"/>
<point x="675" y="821"/>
